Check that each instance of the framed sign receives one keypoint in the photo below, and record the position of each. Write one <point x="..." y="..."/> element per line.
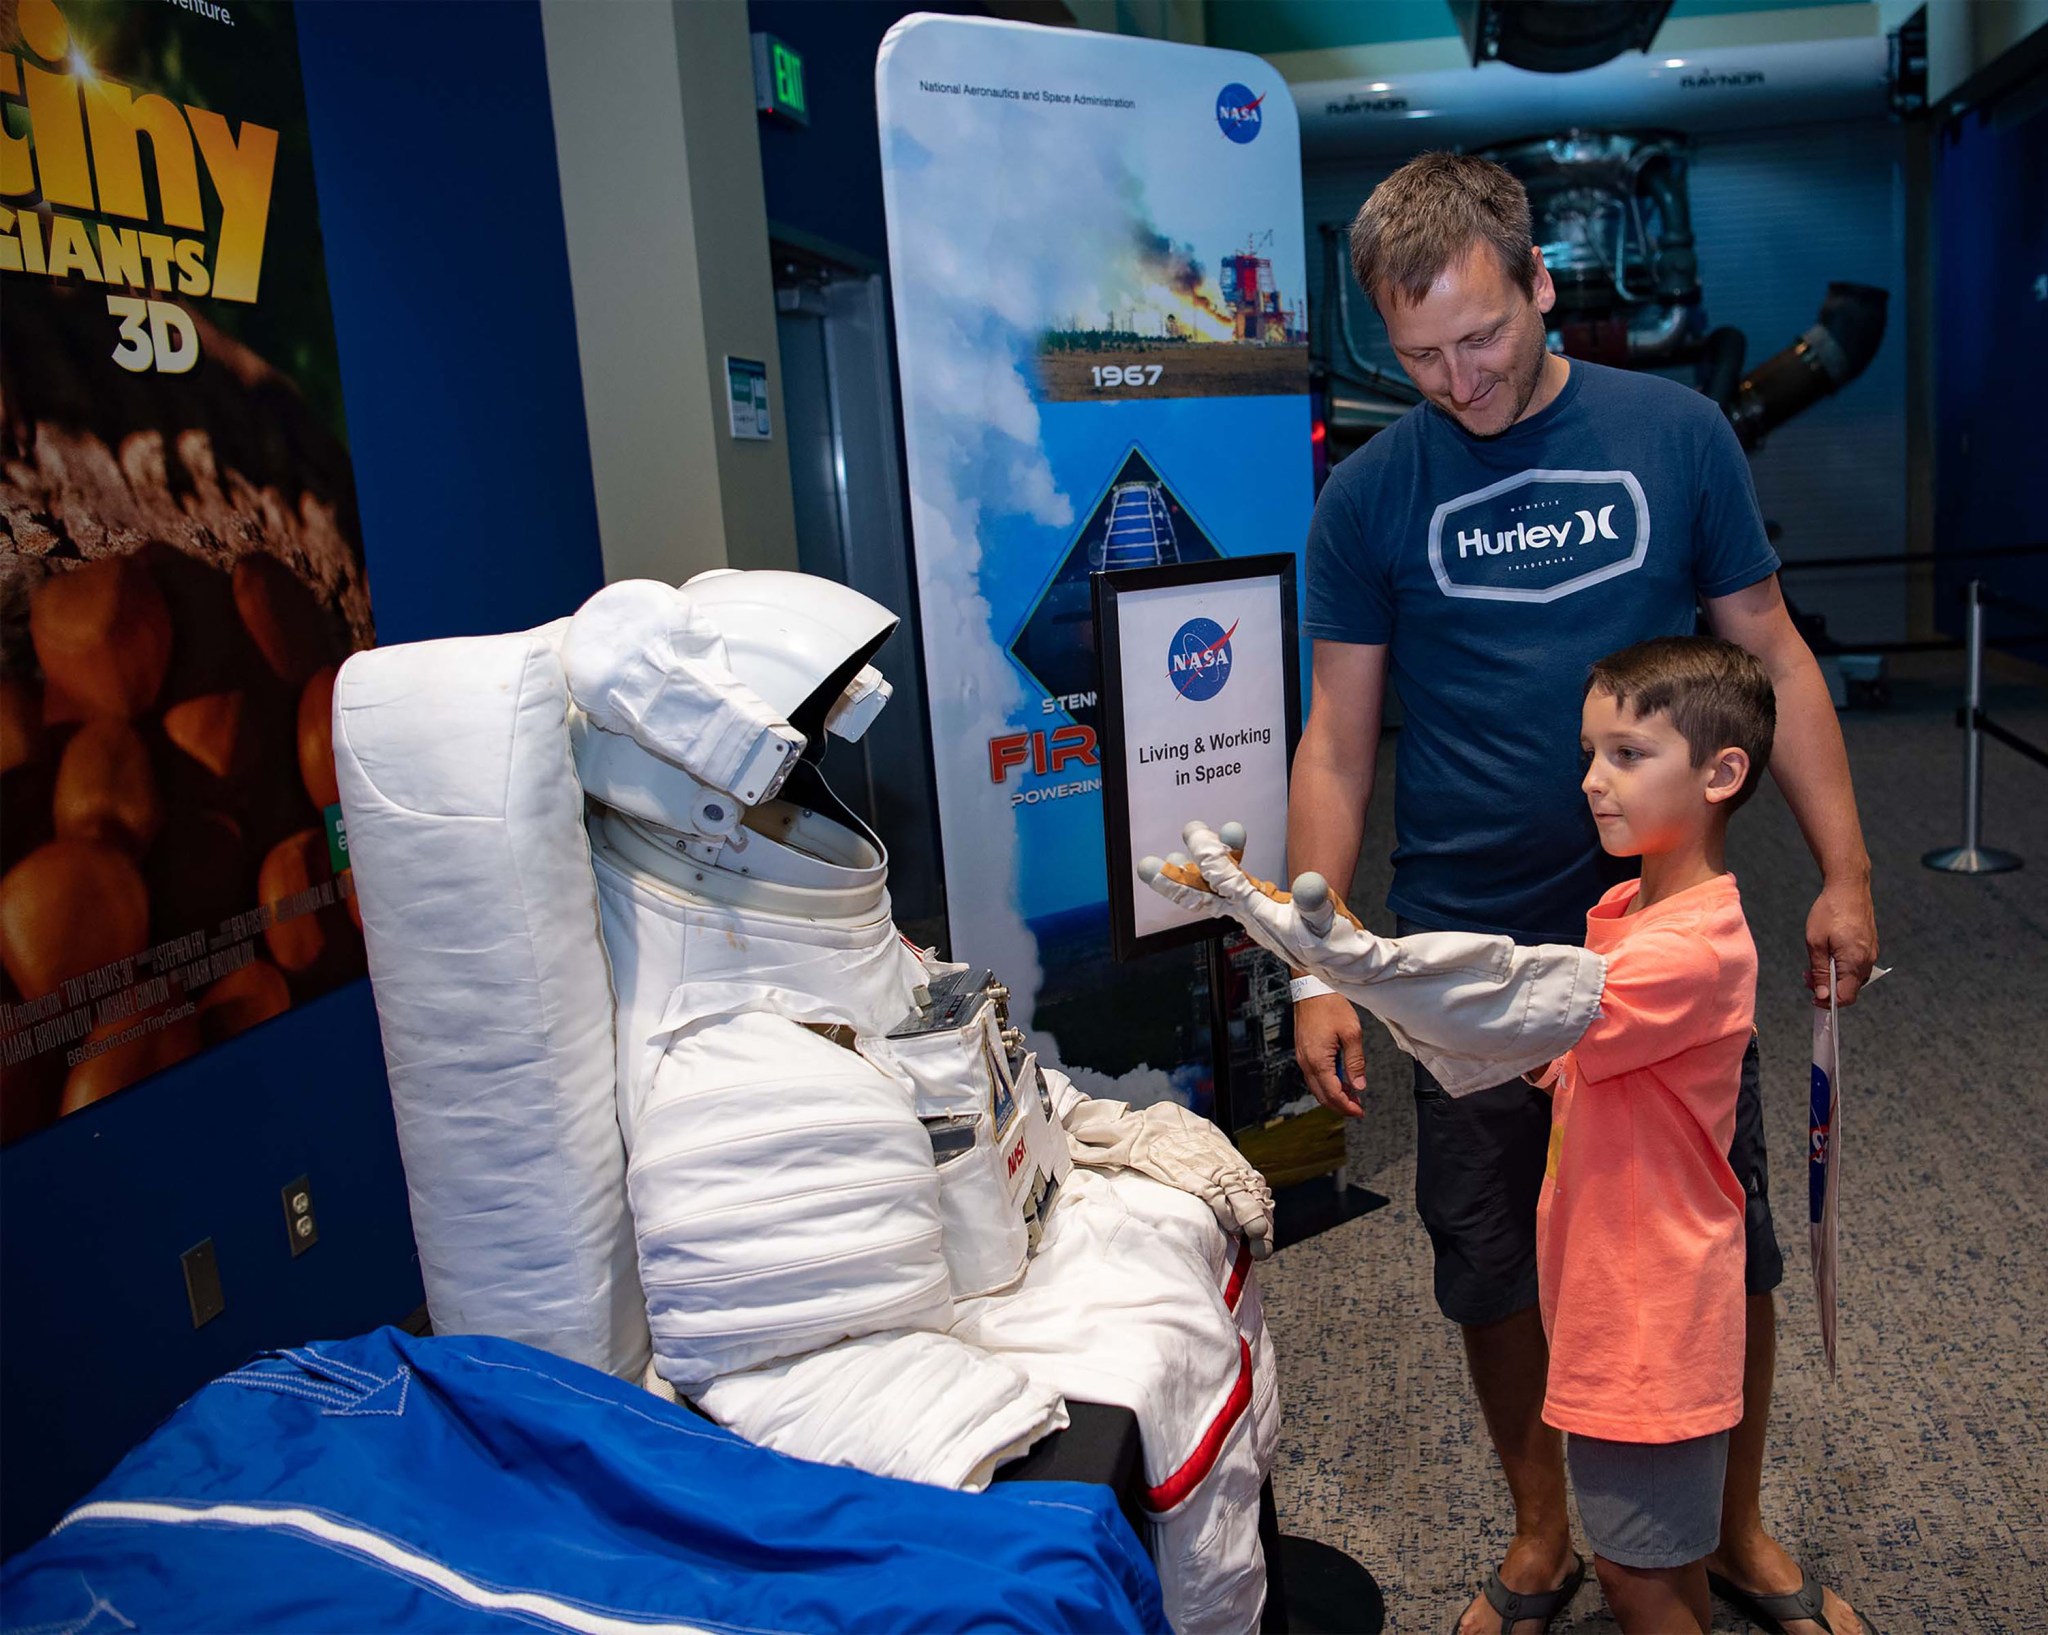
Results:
<point x="1201" y="708"/>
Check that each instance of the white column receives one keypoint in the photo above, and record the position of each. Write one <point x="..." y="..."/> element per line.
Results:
<point x="655" y="138"/>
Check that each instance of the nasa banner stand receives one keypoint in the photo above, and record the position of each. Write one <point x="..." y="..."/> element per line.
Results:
<point x="1102" y="234"/>
<point x="1201" y="710"/>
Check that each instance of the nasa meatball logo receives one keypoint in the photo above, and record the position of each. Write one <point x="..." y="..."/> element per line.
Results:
<point x="1539" y="536"/>
<point x="1237" y="112"/>
<point x="1198" y="660"/>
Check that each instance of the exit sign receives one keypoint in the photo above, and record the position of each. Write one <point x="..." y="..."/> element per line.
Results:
<point x="779" y="81"/>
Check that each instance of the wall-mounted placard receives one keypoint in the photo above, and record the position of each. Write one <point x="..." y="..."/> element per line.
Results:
<point x="746" y="384"/>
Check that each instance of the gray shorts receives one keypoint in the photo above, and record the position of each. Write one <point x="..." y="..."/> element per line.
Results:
<point x="1649" y="1504"/>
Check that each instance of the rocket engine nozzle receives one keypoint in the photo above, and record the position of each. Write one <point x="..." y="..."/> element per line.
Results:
<point x="1838" y="348"/>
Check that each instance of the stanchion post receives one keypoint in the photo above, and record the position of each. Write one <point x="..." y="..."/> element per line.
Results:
<point x="1972" y="857"/>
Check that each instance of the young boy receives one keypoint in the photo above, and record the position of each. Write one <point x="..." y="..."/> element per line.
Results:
<point x="1639" y="1245"/>
<point x="1640" y="1222"/>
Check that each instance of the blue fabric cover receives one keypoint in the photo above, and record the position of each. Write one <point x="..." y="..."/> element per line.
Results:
<point x="1497" y="570"/>
<point x="451" y="1473"/>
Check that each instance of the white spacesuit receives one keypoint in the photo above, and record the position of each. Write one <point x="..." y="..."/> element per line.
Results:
<point x="863" y="1223"/>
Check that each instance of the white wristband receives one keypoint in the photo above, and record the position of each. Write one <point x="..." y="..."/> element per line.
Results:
<point x="1307" y="987"/>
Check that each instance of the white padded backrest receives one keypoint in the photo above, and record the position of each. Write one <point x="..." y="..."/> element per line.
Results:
<point x="472" y="871"/>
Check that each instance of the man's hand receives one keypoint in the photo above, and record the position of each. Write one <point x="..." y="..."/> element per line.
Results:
<point x="1329" y="1045"/>
<point x="1843" y="924"/>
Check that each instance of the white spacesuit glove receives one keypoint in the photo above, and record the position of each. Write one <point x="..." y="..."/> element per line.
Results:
<point x="1173" y="1145"/>
<point x="1474" y="1010"/>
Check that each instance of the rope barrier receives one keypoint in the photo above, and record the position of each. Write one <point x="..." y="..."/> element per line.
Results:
<point x="2012" y="604"/>
<point x="2011" y="740"/>
<point x="1938" y="644"/>
<point x="1895" y="559"/>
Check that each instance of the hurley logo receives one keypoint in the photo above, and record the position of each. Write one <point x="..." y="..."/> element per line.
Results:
<point x="1534" y="536"/>
<point x="1539" y="536"/>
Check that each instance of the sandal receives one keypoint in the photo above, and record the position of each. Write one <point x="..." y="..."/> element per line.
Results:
<point x="1770" y="1613"/>
<point x="1515" y="1605"/>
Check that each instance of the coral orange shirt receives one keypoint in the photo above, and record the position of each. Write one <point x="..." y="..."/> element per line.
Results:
<point x="1639" y="1231"/>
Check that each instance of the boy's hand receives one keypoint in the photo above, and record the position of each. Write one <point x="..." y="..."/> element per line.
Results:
<point x="1329" y="1045"/>
<point x="1842" y="925"/>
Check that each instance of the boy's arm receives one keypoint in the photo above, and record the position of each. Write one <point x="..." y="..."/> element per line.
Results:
<point x="1662" y="985"/>
<point x="1545" y="1078"/>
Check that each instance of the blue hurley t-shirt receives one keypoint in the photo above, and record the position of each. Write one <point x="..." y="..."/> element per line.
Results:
<point x="1497" y="571"/>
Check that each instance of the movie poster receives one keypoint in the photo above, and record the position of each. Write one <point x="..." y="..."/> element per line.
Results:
<point x="1095" y="246"/>
<point x="181" y="565"/>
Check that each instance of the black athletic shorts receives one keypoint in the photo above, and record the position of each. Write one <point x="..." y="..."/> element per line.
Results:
<point x="1479" y="1167"/>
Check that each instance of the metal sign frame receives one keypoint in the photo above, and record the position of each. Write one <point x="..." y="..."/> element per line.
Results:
<point x="1108" y="587"/>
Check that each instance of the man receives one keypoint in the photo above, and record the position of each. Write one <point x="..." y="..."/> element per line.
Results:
<point x="1533" y="515"/>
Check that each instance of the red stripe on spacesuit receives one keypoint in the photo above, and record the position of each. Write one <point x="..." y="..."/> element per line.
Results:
<point x="1184" y="1481"/>
<point x="1240" y="1269"/>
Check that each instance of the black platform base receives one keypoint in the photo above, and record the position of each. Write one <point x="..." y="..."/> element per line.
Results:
<point x="1309" y="1207"/>
<point x="1328" y="1593"/>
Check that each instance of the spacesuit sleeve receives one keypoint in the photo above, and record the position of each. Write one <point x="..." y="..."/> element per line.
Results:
<point x="1474" y="1010"/>
<point x="783" y="1197"/>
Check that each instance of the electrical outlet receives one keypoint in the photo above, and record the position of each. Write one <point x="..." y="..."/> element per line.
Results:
<point x="299" y="1222"/>
<point x="202" y="1283"/>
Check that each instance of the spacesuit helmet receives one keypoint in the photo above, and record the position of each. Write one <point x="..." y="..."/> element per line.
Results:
<point x="694" y="704"/>
<point x="802" y="643"/>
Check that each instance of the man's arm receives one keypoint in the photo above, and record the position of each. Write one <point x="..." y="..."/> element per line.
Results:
<point x="1326" y="803"/>
<point x="1811" y="765"/>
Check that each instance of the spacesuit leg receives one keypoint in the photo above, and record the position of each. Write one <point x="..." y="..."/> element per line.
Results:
<point x="1135" y="1297"/>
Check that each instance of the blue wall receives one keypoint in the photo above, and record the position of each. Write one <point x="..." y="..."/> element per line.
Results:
<point x="440" y="206"/>
<point x="1991" y="333"/>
